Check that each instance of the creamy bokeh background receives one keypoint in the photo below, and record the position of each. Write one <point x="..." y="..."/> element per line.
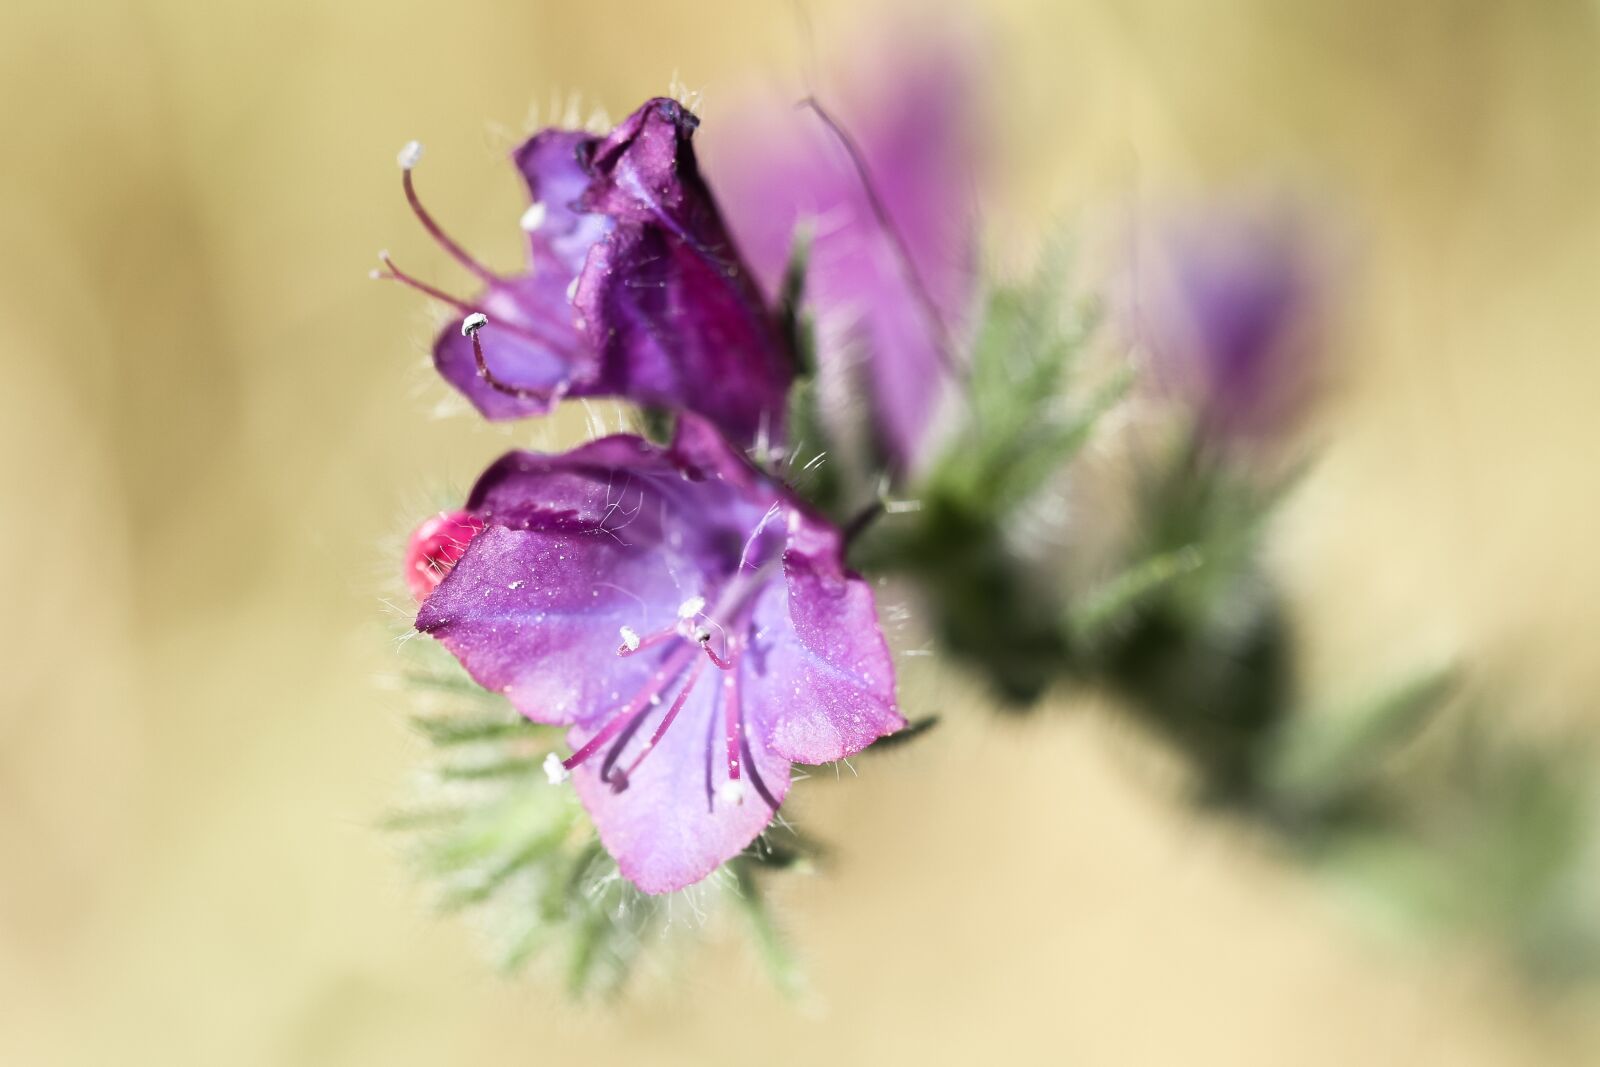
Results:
<point x="215" y="428"/>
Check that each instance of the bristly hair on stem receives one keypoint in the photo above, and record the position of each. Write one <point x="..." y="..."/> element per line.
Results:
<point x="490" y="834"/>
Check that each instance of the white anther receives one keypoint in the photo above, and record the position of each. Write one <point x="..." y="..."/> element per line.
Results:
<point x="410" y="155"/>
<point x="702" y="635"/>
<point x="731" y="792"/>
<point x="630" y="639"/>
<point x="473" y="323"/>
<point x="533" y="218"/>
<point x="691" y="607"/>
<point x="554" y="771"/>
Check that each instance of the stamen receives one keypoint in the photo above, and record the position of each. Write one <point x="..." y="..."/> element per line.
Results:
<point x="469" y="328"/>
<point x="691" y="607"/>
<point x="410" y="155"/>
<point x="703" y="636"/>
<point x="632" y="642"/>
<point x="459" y="254"/>
<point x="533" y="218"/>
<point x="620" y="782"/>
<point x="642" y="700"/>
<point x="555" y="773"/>
<point x="394" y="273"/>
<point x="731" y="793"/>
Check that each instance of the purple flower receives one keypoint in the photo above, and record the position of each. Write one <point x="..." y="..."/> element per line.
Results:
<point x="1230" y="308"/>
<point x="892" y="270"/>
<point x="688" y="619"/>
<point x="633" y="289"/>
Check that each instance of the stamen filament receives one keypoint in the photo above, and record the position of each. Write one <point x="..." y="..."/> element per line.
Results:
<point x="669" y="670"/>
<point x="520" y="392"/>
<point x="393" y="273"/>
<point x="630" y="648"/>
<point x="459" y="254"/>
<point x="661" y="730"/>
<point x="722" y="664"/>
<point x="396" y="274"/>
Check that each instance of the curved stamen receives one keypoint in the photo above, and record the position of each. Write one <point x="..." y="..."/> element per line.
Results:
<point x="459" y="254"/>
<point x="705" y="643"/>
<point x="470" y="327"/>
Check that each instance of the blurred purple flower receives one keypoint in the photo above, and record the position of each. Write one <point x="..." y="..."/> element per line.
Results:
<point x="633" y="289"/>
<point x="894" y="298"/>
<point x="1231" y="308"/>
<point x="689" y="620"/>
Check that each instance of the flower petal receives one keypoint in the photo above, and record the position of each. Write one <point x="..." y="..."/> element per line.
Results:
<point x="665" y="299"/>
<point x="914" y="122"/>
<point x="670" y="827"/>
<point x="552" y="163"/>
<point x="535" y="614"/>
<point x="823" y="677"/>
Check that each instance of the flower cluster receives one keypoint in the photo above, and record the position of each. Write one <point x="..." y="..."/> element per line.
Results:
<point x="683" y="614"/>
<point x="677" y="619"/>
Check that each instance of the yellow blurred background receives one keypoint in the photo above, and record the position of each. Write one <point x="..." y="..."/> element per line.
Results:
<point x="216" y="428"/>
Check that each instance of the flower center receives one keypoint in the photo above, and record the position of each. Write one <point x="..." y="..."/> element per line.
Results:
<point x="705" y="640"/>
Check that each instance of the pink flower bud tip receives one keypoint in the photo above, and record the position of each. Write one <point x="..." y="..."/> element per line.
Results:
<point x="434" y="548"/>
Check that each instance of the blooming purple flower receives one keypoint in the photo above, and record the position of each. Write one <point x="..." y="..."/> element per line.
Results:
<point x="633" y="288"/>
<point x="891" y="276"/>
<point x="688" y="619"/>
<point x="1230" y="307"/>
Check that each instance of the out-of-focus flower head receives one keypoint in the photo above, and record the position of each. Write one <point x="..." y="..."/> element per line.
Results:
<point x="891" y="276"/>
<point x="688" y="619"/>
<point x="633" y="288"/>
<point x="1230" y="302"/>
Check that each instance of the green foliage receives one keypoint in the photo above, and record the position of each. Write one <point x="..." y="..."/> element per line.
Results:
<point x="491" y="836"/>
<point x="1026" y="413"/>
<point x="1323" y="764"/>
<point x="1490" y="836"/>
<point x="1029" y="406"/>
